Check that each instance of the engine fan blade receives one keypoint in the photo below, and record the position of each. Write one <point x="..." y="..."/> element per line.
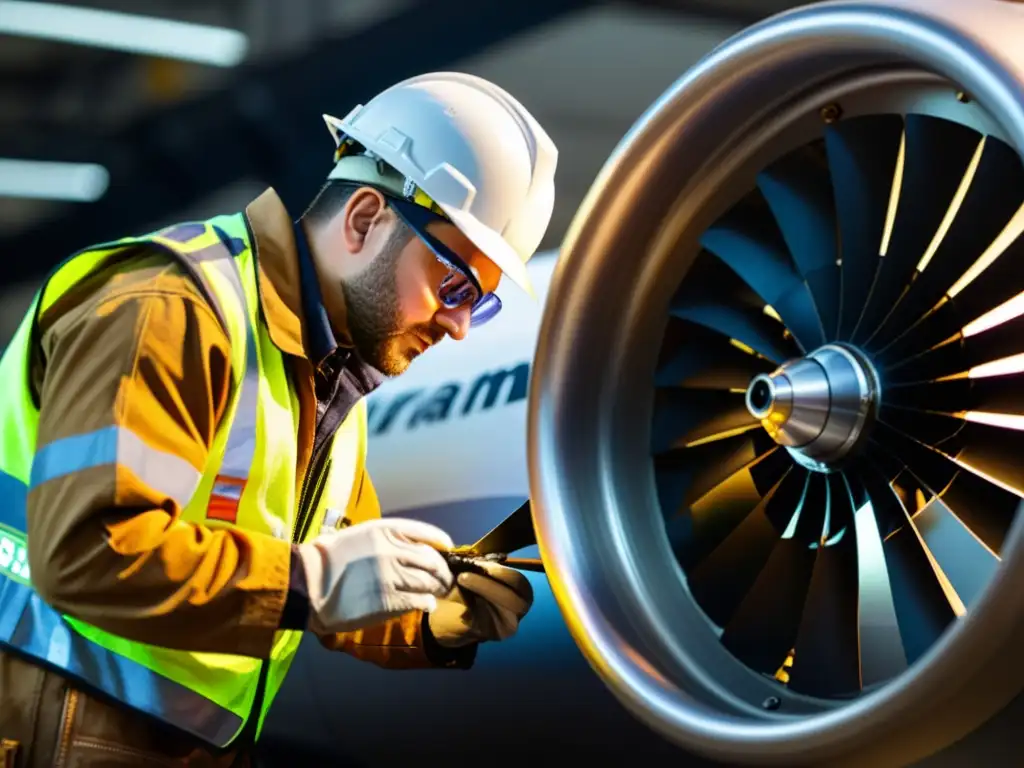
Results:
<point x="862" y="155"/>
<point x="699" y="529"/>
<point x="937" y="154"/>
<point x="876" y="475"/>
<point x="798" y="191"/>
<point x="684" y="417"/>
<point x="695" y="357"/>
<point x="721" y="580"/>
<point x="748" y="241"/>
<point x="992" y="345"/>
<point x="995" y="453"/>
<point x="996" y="399"/>
<point x="840" y="511"/>
<point x="826" y="654"/>
<point x="764" y="628"/>
<point x="986" y="509"/>
<point x="935" y="429"/>
<point x="809" y="521"/>
<point x="928" y="464"/>
<point x="993" y="280"/>
<point x="858" y="493"/>
<point x="997" y="395"/>
<point x="753" y="329"/>
<point x="960" y="554"/>
<point x="967" y="563"/>
<point x="948" y="359"/>
<point x="923" y="608"/>
<point x="683" y="476"/>
<point x="881" y="648"/>
<point x="996" y="191"/>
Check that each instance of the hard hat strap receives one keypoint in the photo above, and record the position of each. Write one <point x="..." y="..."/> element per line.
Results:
<point x="355" y="164"/>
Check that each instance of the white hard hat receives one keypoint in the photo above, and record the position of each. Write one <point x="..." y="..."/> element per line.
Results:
<point x="473" y="150"/>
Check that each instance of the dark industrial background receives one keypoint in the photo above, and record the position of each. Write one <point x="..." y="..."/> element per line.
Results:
<point x="179" y="138"/>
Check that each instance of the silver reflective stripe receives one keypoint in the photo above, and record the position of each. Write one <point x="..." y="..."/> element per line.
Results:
<point x="228" y="268"/>
<point x="231" y="491"/>
<point x="31" y="627"/>
<point x="241" y="443"/>
<point x="164" y="472"/>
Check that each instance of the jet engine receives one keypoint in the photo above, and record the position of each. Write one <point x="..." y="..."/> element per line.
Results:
<point x="776" y="419"/>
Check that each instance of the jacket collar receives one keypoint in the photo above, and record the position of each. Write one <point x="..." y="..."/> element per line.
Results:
<point x="280" y="276"/>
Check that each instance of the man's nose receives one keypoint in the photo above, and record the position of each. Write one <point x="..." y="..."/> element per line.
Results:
<point x="454" y="321"/>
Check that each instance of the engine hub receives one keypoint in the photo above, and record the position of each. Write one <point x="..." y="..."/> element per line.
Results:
<point x="818" y="407"/>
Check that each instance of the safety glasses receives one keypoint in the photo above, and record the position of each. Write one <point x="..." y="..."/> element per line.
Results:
<point x="460" y="287"/>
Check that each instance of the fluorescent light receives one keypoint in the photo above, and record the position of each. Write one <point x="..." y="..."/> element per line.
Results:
<point x="78" y="182"/>
<point x="124" y="32"/>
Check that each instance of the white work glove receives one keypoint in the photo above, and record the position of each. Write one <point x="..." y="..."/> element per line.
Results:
<point x="373" y="571"/>
<point x="483" y="606"/>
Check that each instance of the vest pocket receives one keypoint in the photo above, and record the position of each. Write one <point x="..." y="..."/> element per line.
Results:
<point x="93" y="733"/>
<point x="110" y="755"/>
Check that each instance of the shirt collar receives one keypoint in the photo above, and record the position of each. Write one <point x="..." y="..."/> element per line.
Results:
<point x="320" y="339"/>
<point x="289" y="292"/>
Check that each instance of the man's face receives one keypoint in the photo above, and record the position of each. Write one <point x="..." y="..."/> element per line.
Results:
<point x="392" y="305"/>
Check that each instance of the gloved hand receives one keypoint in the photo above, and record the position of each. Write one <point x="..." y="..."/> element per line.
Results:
<point x="373" y="571"/>
<point x="482" y="606"/>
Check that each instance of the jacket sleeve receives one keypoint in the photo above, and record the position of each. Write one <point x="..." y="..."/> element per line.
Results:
<point x="401" y="643"/>
<point x="132" y="383"/>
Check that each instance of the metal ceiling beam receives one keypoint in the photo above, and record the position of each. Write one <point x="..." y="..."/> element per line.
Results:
<point x="266" y="124"/>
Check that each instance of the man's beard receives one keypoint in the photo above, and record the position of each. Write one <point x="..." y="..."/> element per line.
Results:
<point x="373" y="313"/>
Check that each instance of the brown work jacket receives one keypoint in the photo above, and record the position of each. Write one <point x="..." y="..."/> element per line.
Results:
<point x="138" y="346"/>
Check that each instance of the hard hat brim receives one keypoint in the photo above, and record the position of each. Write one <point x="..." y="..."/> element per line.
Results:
<point x="493" y="246"/>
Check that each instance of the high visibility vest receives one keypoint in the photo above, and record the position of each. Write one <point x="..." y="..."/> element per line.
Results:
<point x="249" y="482"/>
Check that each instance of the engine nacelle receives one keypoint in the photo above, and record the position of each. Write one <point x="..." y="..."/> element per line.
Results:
<point x="775" y="414"/>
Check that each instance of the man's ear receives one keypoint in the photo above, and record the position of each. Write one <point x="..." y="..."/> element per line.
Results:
<point x="362" y="212"/>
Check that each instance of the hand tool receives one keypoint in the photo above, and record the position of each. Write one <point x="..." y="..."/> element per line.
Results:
<point x="513" y="533"/>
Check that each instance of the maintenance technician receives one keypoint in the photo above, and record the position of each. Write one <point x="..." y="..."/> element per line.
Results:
<point x="183" y="432"/>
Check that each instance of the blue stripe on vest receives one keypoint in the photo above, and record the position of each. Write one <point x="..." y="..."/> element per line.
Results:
<point x="74" y="454"/>
<point x="13" y="501"/>
<point x="31" y="627"/>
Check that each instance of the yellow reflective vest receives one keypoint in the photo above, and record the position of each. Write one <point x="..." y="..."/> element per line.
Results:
<point x="249" y="481"/>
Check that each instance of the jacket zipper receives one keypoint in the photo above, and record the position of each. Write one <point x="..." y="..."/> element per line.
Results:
<point x="297" y="530"/>
<point x="310" y="491"/>
<point x="312" y="484"/>
<point x="302" y="516"/>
